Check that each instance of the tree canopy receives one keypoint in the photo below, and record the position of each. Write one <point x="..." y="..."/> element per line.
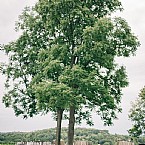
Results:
<point x="137" y="115"/>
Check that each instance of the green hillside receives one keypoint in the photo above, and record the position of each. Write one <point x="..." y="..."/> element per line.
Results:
<point x="95" y="136"/>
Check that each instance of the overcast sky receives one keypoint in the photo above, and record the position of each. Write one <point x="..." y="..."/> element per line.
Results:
<point x="134" y="11"/>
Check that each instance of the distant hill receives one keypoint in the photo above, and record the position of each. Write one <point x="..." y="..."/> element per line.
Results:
<point x="95" y="136"/>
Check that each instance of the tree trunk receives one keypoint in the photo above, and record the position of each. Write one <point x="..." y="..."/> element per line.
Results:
<point x="58" y="131"/>
<point x="71" y="126"/>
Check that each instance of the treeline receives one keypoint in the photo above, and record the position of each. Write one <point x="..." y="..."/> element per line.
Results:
<point x="95" y="136"/>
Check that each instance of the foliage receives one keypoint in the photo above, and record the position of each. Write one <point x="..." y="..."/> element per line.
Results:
<point x="137" y="115"/>
<point x="65" y="57"/>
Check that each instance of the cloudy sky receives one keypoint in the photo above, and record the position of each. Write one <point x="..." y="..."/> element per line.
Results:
<point x="134" y="11"/>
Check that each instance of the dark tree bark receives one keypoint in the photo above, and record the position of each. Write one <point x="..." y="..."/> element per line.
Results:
<point x="71" y="126"/>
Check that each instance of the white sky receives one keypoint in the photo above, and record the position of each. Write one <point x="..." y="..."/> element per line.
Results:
<point x="134" y="11"/>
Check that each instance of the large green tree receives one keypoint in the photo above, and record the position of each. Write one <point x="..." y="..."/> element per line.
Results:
<point x="64" y="60"/>
<point x="137" y="115"/>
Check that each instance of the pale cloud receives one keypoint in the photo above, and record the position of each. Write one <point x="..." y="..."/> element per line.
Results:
<point x="9" y="12"/>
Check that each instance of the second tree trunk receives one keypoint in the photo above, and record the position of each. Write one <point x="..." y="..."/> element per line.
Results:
<point x="58" y="131"/>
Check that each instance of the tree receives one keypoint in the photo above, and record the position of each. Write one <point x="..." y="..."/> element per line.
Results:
<point x="137" y="115"/>
<point x="65" y="61"/>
